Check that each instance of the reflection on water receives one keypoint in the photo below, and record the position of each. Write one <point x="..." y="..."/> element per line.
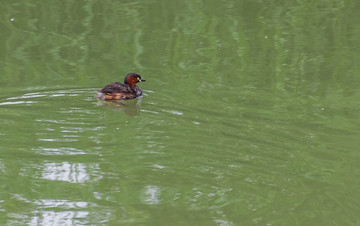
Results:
<point x="17" y="102"/>
<point x="44" y="95"/>
<point x="152" y="195"/>
<point x="58" y="150"/>
<point x="71" y="217"/>
<point x="68" y="212"/>
<point x="73" y="173"/>
<point x="130" y="107"/>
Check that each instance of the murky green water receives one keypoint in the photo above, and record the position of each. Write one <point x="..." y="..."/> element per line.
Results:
<point x="250" y="114"/>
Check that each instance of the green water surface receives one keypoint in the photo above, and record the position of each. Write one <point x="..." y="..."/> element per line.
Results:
<point x="250" y="113"/>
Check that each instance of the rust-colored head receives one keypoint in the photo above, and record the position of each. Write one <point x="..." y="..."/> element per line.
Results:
<point x="132" y="78"/>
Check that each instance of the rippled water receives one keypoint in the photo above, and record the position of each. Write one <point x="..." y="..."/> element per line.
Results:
<point x="250" y="114"/>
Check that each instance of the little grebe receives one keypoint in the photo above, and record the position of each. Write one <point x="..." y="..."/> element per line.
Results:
<point x="122" y="91"/>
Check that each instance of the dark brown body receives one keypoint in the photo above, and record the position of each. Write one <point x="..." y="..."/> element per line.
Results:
<point x="119" y="91"/>
<point x="122" y="91"/>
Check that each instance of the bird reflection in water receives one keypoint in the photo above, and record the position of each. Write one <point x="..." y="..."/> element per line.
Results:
<point x="130" y="107"/>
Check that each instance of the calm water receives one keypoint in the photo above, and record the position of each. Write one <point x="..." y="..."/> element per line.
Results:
<point x="250" y="113"/>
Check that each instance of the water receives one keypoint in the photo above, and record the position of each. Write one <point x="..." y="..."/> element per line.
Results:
<point x="250" y="113"/>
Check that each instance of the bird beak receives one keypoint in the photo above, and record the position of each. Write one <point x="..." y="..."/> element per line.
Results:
<point x="142" y="80"/>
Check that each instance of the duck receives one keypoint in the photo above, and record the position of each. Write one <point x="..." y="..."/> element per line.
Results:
<point x="122" y="91"/>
